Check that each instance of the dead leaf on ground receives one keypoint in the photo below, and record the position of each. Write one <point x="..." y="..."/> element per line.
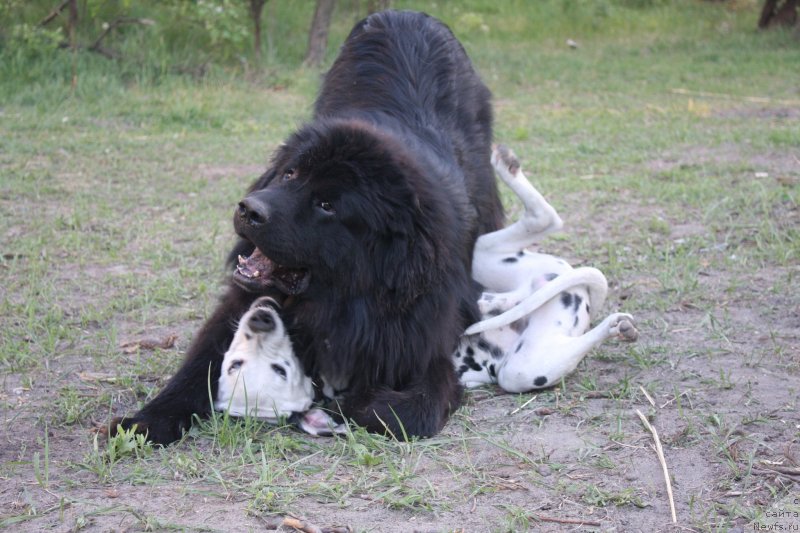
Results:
<point x="149" y="344"/>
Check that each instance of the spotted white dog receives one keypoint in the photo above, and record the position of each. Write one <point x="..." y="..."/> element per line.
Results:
<point x="261" y="377"/>
<point x="536" y="308"/>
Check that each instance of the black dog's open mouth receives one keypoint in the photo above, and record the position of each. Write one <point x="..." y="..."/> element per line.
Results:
<point x="257" y="272"/>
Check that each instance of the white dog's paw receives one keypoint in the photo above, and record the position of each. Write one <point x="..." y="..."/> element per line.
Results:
<point x="621" y="325"/>
<point x="318" y="422"/>
<point x="505" y="161"/>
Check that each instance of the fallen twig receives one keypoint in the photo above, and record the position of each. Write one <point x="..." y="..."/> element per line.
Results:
<point x="768" y="468"/>
<point x="523" y="406"/>
<point x="684" y="393"/>
<point x="573" y="521"/>
<point x="300" y="525"/>
<point x="308" y="527"/>
<point x="663" y="461"/>
<point x="649" y="398"/>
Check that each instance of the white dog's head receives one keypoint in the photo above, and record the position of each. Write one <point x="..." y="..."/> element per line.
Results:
<point x="260" y="374"/>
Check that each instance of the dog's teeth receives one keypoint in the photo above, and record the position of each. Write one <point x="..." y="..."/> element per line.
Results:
<point x="256" y="274"/>
<point x="242" y="259"/>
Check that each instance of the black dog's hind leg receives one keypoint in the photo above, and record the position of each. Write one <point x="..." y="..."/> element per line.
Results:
<point x="168" y="415"/>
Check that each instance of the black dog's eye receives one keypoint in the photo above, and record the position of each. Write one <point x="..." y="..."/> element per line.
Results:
<point x="288" y="175"/>
<point x="278" y="369"/>
<point x="235" y="365"/>
<point x="326" y="206"/>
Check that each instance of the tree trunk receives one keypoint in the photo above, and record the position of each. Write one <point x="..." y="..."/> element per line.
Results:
<point x="774" y="15"/>
<point x="256" y="8"/>
<point x="72" y="28"/>
<point x="318" y="35"/>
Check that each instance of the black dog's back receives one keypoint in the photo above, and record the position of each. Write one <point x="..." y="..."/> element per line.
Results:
<point x="408" y="67"/>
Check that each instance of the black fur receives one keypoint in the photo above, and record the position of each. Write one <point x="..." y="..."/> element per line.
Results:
<point x="380" y="198"/>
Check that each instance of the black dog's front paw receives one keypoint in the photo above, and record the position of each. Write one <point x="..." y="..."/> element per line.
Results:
<point x="158" y="430"/>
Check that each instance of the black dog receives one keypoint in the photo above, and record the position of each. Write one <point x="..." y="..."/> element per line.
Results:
<point x="365" y="225"/>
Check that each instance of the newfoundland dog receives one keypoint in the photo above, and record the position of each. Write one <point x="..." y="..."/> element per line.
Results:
<point x="364" y="226"/>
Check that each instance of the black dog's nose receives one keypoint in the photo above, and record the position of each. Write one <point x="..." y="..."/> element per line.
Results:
<point x="252" y="211"/>
<point x="261" y="321"/>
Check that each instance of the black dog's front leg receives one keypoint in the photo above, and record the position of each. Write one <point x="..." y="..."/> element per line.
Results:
<point x="168" y="415"/>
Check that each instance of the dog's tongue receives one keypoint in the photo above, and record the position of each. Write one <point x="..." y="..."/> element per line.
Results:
<point x="257" y="272"/>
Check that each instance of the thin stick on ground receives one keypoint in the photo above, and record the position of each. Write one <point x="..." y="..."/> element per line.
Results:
<point x="646" y="395"/>
<point x="574" y="521"/>
<point x="307" y="527"/>
<point x="663" y="461"/>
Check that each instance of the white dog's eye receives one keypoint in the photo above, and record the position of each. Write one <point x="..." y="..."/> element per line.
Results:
<point x="235" y="365"/>
<point x="278" y="369"/>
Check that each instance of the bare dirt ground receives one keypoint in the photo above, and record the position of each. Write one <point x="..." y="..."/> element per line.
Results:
<point x="719" y="366"/>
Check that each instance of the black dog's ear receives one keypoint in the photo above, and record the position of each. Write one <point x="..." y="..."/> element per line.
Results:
<point x="406" y="266"/>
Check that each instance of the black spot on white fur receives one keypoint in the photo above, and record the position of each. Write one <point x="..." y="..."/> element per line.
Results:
<point x="566" y="300"/>
<point x="510" y="260"/>
<point x="472" y="364"/>
<point x="538" y="382"/>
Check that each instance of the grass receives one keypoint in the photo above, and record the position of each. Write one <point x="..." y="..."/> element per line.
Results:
<point x="115" y="206"/>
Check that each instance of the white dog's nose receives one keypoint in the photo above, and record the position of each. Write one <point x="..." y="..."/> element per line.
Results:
<point x="261" y="321"/>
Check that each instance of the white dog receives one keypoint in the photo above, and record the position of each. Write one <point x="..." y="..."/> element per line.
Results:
<point x="260" y="375"/>
<point x="536" y="308"/>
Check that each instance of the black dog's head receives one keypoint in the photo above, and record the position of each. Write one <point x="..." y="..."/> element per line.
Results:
<point x="343" y="204"/>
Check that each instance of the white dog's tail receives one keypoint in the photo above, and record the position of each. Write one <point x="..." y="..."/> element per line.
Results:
<point x="591" y="278"/>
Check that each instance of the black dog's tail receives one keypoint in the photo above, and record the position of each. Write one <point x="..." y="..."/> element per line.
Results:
<point x="419" y="410"/>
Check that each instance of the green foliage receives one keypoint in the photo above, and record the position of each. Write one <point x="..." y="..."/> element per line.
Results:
<point x="125" y="444"/>
<point x="210" y="37"/>
<point x="226" y="23"/>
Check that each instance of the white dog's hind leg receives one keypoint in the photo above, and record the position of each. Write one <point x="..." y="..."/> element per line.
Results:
<point x="592" y="278"/>
<point x="545" y="365"/>
<point x="540" y="217"/>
